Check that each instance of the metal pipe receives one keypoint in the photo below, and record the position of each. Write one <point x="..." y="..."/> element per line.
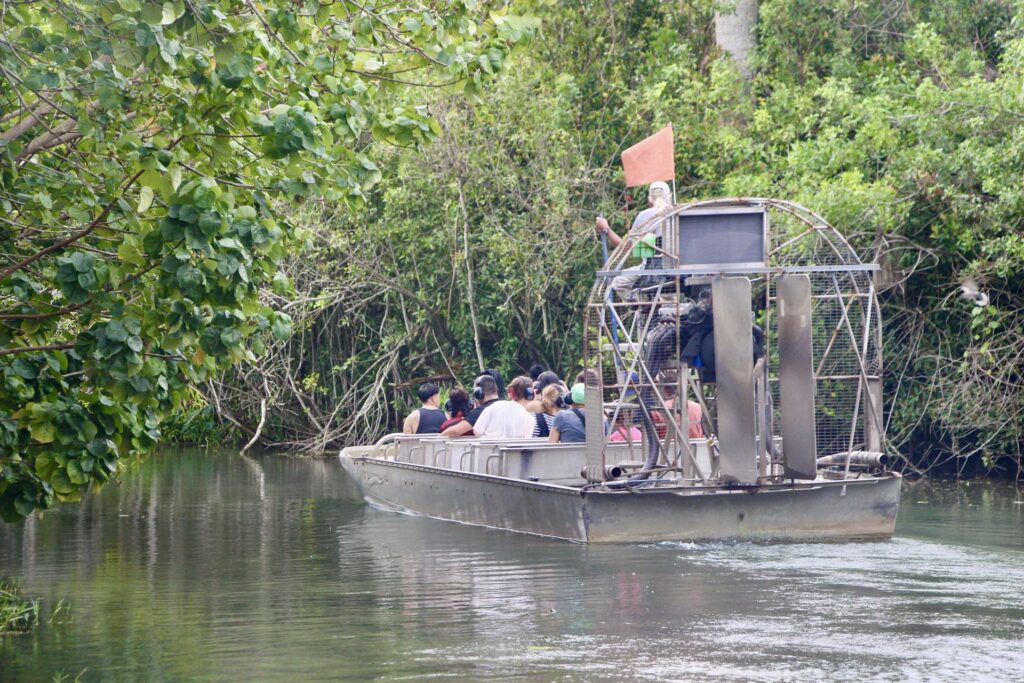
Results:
<point x="664" y="337"/>
<point x="856" y="459"/>
<point x="712" y="269"/>
<point x="383" y="440"/>
<point x="609" y="472"/>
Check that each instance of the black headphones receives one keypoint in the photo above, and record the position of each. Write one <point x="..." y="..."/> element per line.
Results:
<point x="564" y="401"/>
<point x="448" y="406"/>
<point x="478" y="392"/>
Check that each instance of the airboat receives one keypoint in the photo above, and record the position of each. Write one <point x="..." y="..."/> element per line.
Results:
<point x="758" y="311"/>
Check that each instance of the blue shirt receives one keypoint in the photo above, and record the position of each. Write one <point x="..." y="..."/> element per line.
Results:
<point x="570" y="428"/>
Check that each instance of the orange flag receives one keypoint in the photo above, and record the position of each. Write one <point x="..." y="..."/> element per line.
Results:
<point x="651" y="159"/>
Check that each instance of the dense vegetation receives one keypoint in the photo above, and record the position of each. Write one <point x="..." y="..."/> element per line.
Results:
<point x="178" y="183"/>
<point x="145" y="150"/>
<point x="899" y="122"/>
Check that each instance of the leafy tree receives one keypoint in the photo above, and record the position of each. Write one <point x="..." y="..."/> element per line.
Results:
<point x="898" y="122"/>
<point x="479" y="249"/>
<point x="146" y="148"/>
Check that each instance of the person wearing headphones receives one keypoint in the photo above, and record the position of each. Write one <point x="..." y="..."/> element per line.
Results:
<point x="428" y="418"/>
<point x="570" y="424"/>
<point x="485" y="391"/>
<point x="509" y="419"/>
<point x="551" y="404"/>
<point x="542" y="382"/>
<point x="457" y="406"/>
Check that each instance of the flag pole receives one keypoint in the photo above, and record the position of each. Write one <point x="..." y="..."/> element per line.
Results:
<point x="611" y="295"/>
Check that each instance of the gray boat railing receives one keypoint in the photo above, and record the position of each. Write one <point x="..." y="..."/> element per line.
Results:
<point x="438" y="452"/>
<point x="535" y="459"/>
<point x="487" y="463"/>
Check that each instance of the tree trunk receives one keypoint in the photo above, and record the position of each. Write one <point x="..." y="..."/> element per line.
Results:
<point x="735" y="33"/>
<point x="469" y="278"/>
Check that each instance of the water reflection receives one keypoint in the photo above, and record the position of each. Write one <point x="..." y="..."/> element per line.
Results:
<point x="212" y="567"/>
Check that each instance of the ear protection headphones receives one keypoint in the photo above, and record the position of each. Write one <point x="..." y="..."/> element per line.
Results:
<point x="478" y="392"/>
<point x="523" y="388"/>
<point x="448" y="406"/>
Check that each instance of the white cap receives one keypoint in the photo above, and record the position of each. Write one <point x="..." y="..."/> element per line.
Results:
<point x="659" y="188"/>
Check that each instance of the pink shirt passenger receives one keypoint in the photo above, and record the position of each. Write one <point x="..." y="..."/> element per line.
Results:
<point x="620" y="434"/>
<point x="694" y="413"/>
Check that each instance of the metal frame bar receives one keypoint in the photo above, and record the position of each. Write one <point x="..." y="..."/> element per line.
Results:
<point x="847" y="288"/>
<point x="633" y="365"/>
<point x="712" y="269"/>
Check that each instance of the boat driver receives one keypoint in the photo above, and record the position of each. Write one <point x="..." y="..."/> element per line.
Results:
<point x="659" y="200"/>
<point x="485" y="391"/>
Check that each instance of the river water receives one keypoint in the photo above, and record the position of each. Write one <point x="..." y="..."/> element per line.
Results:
<point x="210" y="567"/>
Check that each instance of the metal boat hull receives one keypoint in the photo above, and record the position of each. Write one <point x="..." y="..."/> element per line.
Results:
<point x="823" y="510"/>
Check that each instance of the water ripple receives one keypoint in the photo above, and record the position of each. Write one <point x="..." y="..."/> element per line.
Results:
<point x="202" y="566"/>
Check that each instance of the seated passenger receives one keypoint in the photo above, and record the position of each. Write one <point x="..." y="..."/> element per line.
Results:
<point x="624" y="429"/>
<point x="485" y="391"/>
<point x="569" y="426"/>
<point x="509" y="419"/>
<point x="457" y="406"/>
<point x="543" y="380"/>
<point x="535" y="371"/>
<point x="428" y="418"/>
<point x="550" y="400"/>
<point x="694" y="413"/>
<point x="498" y="381"/>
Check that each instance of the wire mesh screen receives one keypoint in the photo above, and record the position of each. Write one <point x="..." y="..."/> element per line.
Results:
<point x="649" y="341"/>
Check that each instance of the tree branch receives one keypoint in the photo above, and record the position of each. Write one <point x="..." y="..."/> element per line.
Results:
<point x="40" y="316"/>
<point x="70" y="240"/>
<point x="34" y="117"/>
<point x="30" y="349"/>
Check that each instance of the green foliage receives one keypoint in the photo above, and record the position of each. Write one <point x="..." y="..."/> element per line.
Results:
<point x="193" y="420"/>
<point x="146" y="149"/>
<point x="899" y="123"/>
<point x="17" y="615"/>
<point x="508" y="193"/>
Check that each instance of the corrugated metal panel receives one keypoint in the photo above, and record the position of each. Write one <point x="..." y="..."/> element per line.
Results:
<point x="796" y="377"/>
<point x="734" y="361"/>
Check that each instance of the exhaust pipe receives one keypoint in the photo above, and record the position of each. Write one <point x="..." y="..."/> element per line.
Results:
<point x="856" y="459"/>
<point x="596" y="474"/>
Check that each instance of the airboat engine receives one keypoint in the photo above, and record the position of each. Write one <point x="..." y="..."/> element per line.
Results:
<point x="764" y="414"/>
